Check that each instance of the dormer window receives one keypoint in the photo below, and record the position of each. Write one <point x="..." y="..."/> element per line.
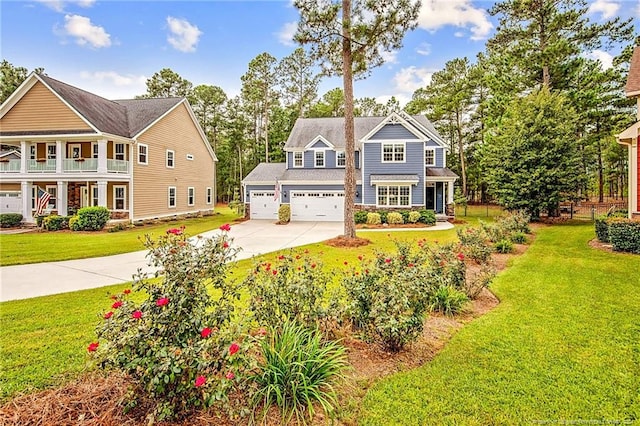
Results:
<point x="319" y="156"/>
<point x="298" y="159"/>
<point x="430" y="157"/>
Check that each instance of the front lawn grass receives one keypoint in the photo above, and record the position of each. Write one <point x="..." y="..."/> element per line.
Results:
<point x="563" y="346"/>
<point x="34" y="247"/>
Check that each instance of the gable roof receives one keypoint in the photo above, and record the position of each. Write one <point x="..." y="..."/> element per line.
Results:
<point x="306" y="130"/>
<point x="633" y="79"/>
<point x="124" y="118"/>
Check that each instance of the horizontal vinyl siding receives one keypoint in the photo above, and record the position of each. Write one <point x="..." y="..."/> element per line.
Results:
<point x="439" y="153"/>
<point x="414" y="164"/>
<point x="393" y="132"/>
<point x="175" y="132"/>
<point x="638" y="177"/>
<point x="38" y="110"/>
<point x="329" y="160"/>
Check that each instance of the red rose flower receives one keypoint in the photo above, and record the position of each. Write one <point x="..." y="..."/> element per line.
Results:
<point x="387" y="260"/>
<point x="281" y="257"/>
<point x="313" y="265"/>
<point x="234" y="348"/>
<point x="136" y="314"/>
<point x="410" y="265"/>
<point x="225" y="245"/>
<point x="116" y="304"/>
<point x="162" y="301"/>
<point x="225" y="227"/>
<point x="174" y="231"/>
<point x="127" y="291"/>
<point x="360" y="257"/>
<point x="230" y="375"/>
<point x="206" y="332"/>
<point x="262" y="331"/>
<point x="297" y="256"/>
<point x="200" y="380"/>
<point x="108" y="315"/>
<point x="275" y="272"/>
<point x="460" y="256"/>
<point x="93" y="346"/>
<point x="346" y="263"/>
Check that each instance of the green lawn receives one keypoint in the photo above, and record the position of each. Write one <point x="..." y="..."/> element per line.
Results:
<point x="33" y="247"/>
<point x="563" y="346"/>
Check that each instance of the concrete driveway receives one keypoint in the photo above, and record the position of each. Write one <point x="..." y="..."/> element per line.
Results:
<point x="254" y="237"/>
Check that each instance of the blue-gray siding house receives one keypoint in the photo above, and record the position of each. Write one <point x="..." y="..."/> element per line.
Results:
<point x="400" y="164"/>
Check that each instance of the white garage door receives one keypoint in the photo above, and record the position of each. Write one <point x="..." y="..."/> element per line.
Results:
<point x="10" y="202"/>
<point x="263" y="205"/>
<point x="317" y="206"/>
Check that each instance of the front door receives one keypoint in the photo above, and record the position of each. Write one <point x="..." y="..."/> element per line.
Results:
<point x="431" y="197"/>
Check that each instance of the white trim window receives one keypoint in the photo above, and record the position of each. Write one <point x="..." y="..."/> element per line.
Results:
<point x="341" y="159"/>
<point x="393" y="195"/>
<point x="53" y="200"/>
<point x="94" y="195"/>
<point x="171" y="155"/>
<point x="94" y="150"/>
<point x="51" y="151"/>
<point x="430" y="157"/>
<point x="209" y="195"/>
<point x="75" y="150"/>
<point x="191" y="196"/>
<point x="143" y="153"/>
<point x="319" y="158"/>
<point x="33" y="151"/>
<point x="298" y="159"/>
<point x="393" y="152"/>
<point x="171" y="197"/>
<point x="118" y="151"/>
<point x="119" y="197"/>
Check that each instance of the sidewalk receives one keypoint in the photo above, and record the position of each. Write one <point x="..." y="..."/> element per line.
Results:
<point x="254" y="237"/>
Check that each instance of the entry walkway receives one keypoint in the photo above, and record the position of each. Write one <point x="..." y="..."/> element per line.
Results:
<point x="254" y="237"/>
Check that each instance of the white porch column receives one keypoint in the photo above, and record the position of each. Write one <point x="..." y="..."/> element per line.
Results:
<point x="102" y="193"/>
<point x="62" y="198"/>
<point x="23" y="156"/>
<point x="59" y="162"/>
<point x="102" y="157"/>
<point x="450" y="192"/>
<point x="25" y="188"/>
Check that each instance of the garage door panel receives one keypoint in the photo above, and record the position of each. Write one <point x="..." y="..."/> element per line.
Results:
<point x="264" y="205"/>
<point x="10" y="202"/>
<point x="317" y="206"/>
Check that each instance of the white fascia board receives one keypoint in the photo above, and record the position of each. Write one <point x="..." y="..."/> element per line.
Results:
<point x="321" y="138"/>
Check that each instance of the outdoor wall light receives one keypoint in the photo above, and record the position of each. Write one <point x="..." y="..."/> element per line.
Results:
<point x="285" y="194"/>
<point x="357" y="194"/>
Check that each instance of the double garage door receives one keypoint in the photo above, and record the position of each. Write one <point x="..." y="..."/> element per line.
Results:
<point x="317" y="206"/>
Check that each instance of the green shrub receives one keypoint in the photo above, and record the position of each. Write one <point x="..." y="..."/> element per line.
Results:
<point x="298" y="370"/>
<point x="504" y="246"/>
<point x="427" y="217"/>
<point x="360" y="217"/>
<point x="495" y="232"/>
<point x="405" y="216"/>
<point x="10" y="220"/>
<point x="602" y="228"/>
<point x="474" y="244"/>
<point x="414" y="217"/>
<point x="517" y="221"/>
<point x="447" y="300"/>
<point x="55" y="223"/>
<point x="284" y="213"/>
<point x="373" y="218"/>
<point x="395" y="218"/>
<point x="624" y="235"/>
<point x="383" y="216"/>
<point x="73" y="223"/>
<point x="519" y="238"/>
<point x="178" y="343"/>
<point x="92" y="218"/>
<point x="292" y="288"/>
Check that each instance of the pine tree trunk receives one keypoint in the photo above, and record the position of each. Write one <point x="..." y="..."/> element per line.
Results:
<point x="349" y="134"/>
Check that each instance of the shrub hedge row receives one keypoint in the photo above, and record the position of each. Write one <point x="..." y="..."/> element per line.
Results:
<point x="427" y="217"/>
<point x="624" y="235"/>
<point x="10" y="220"/>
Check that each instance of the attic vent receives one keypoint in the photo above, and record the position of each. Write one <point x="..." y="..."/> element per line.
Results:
<point x="190" y="157"/>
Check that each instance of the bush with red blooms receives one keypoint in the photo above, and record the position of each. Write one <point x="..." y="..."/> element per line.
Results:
<point x="179" y="343"/>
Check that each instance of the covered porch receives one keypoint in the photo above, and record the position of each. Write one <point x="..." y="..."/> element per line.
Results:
<point x="439" y="191"/>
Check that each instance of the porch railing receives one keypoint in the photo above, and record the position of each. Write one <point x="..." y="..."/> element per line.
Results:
<point x="11" y="166"/>
<point x="117" y="166"/>
<point x="85" y="165"/>
<point x="41" y="166"/>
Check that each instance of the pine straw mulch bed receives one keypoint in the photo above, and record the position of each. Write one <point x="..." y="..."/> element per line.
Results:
<point x="98" y="399"/>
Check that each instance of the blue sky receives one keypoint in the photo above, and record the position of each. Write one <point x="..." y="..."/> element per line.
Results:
<point x="111" y="47"/>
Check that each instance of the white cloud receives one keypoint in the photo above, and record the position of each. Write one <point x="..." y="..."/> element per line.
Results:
<point x="458" y="34"/>
<point x="183" y="35"/>
<point x="286" y="33"/>
<point x="435" y="14"/>
<point x="111" y="85"/>
<point x="606" y="59"/>
<point x="85" y="32"/>
<point x="58" y="5"/>
<point x="607" y="8"/>
<point x="389" y="57"/>
<point x="424" y="49"/>
<point x="410" y="79"/>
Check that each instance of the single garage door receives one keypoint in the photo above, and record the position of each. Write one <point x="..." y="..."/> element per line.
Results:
<point x="317" y="206"/>
<point x="10" y="202"/>
<point x="263" y="205"/>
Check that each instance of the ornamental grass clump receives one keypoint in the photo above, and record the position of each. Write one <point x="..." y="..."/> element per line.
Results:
<point x="298" y="373"/>
<point x="178" y="343"/>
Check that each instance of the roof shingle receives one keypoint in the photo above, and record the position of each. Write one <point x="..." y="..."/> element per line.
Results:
<point x="633" y="79"/>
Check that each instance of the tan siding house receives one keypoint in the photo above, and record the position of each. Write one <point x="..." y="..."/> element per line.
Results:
<point x="140" y="158"/>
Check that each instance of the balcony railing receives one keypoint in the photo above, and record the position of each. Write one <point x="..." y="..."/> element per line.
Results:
<point x="41" y="166"/>
<point x="83" y="165"/>
<point x="117" y="166"/>
<point x="11" y="166"/>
